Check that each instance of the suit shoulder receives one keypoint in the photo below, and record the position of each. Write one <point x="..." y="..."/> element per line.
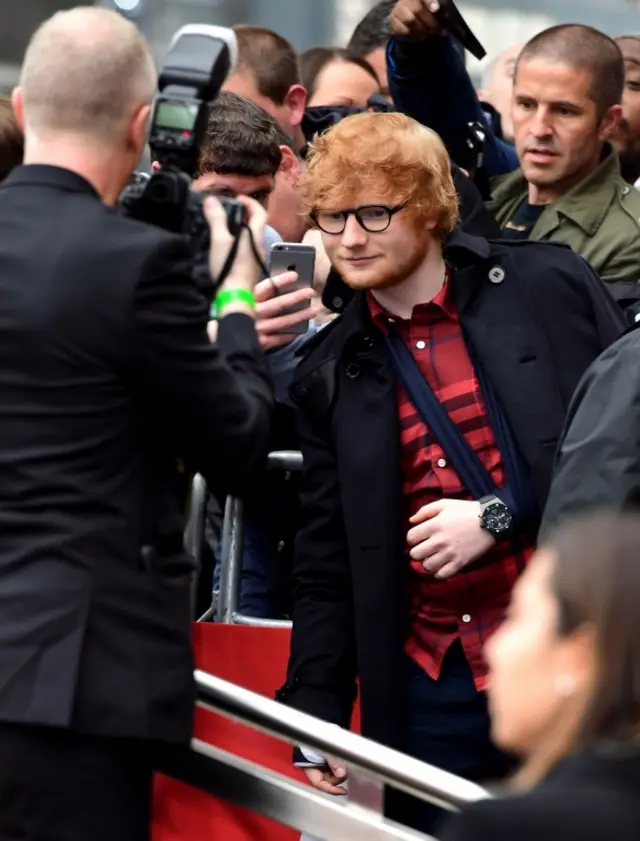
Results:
<point x="624" y="350"/>
<point x="141" y="233"/>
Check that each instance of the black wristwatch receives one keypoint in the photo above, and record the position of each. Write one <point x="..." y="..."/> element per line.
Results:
<point x="495" y="517"/>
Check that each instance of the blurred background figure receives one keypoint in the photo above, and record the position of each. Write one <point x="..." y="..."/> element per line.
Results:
<point x="565" y="692"/>
<point x="11" y="139"/>
<point x="497" y="90"/>
<point x="627" y="139"/>
<point x="267" y="73"/>
<point x="370" y="39"/>
<point x="334" y="76"/>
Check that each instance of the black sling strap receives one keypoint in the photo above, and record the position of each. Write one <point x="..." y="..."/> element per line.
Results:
<point x="473" y="474"/>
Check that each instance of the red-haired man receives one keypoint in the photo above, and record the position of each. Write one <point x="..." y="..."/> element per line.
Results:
<point x="404" y="564"/>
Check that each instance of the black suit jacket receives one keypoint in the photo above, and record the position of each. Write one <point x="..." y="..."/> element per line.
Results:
<point x="592" y="797"/>
<point x="109" y="388"/>
<point x="535" y="333"/>
<point x="598" y="460"/>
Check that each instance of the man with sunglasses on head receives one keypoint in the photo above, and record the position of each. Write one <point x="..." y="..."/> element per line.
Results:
<point x="428" y="417"/>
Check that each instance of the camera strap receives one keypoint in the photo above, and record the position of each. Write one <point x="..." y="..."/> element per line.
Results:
<point x="233" y="253"/>
<point x="231" y="258"/>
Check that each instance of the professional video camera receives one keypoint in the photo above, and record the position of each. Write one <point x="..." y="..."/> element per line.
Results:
<point x="200" y="59"/>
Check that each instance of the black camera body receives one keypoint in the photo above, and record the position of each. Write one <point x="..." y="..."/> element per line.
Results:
<point x="199" y="60"/>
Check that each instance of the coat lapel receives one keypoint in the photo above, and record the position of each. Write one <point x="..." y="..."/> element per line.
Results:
<point x="499" y="319"/>
<point x="367" y="434"/>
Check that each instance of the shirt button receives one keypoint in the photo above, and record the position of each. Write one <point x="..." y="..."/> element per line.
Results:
<point x="391" y="320"/>
<point x="466" y="618"/>
<point x="442" y="462"/>
<point x="421" y="345"/>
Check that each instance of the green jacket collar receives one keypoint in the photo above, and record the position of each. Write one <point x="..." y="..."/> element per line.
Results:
<point x="586" y="204"/>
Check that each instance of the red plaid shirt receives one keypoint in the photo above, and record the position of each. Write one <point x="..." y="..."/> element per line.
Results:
<point x="471" y="605"/>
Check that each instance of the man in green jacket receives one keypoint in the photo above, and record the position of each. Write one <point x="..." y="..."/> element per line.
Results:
<point x="568" y="88"/>
<point x="569" y="189"/>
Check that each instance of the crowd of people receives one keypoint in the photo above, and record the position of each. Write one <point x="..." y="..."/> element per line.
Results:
<point x="459" y="551"/>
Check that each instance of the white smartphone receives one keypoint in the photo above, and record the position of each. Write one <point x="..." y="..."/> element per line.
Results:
<point x="299" y="258"/>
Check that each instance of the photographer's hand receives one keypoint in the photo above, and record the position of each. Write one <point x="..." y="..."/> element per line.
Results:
<point x="270" y="308"/>
<point x="245" y="271"/>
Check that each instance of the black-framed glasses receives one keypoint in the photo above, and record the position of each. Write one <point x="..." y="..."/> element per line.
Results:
<point x="373" y="218"/>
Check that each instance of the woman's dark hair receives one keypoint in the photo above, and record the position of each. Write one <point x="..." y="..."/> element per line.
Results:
<point x="312" y="62"/>
<point x="595" y="580"/>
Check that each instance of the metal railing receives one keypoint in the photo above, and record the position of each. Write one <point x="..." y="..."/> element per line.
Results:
<point x="226" y="608"/>
<point x="360" y="817"/>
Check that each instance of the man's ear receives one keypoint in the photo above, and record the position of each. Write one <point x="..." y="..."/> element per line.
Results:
<point x="138" y="129"/>
<point x="610" y="121"/>
<point x="290" y="165"/>
<point x="17" y="101"/>
<point x="296" y="102"/>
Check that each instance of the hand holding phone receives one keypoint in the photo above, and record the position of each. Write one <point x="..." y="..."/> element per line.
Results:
<point x="279" y="312"/>
<point x="287" y="257"/>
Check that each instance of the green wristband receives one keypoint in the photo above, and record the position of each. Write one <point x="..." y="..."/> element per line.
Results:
<point x="233" y="296"/>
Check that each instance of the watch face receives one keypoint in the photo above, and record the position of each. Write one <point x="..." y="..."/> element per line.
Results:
<point x="497" y="518"/>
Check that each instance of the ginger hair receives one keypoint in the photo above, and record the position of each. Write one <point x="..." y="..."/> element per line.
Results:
<point x="387" y="156"/>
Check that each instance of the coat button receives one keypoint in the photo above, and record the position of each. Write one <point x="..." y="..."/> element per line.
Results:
<point x="497" y="274"/>
<point x="338" y="303"/>
<point x="368" y="342"/>
<point x="353" y="370"/>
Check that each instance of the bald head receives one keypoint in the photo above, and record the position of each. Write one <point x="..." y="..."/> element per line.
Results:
<point x="86" y="72"/>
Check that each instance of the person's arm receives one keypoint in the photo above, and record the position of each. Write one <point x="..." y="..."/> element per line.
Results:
<point x="429" y="82"/>
<point x="216" y="399"/>
<point x="322" y="665"/>
<point x="598" y="464"/>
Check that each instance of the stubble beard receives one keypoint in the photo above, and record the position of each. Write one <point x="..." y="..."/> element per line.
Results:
<point x="387" y="272"/>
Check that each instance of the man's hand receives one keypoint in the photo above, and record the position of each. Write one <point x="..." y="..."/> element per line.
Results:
<point x="269" y="309"/>
<point x="328" y="779"/>
<point x="447" y="536"/>
<point x="245" y="271"/>
<point x="415" y="19"/>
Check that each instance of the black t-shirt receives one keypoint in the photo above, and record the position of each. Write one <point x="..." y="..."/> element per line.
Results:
<point x="523" y="221"/>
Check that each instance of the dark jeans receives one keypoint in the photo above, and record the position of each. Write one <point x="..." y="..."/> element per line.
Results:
<point x="447" y="725"/>
<point x="255" y="596"/>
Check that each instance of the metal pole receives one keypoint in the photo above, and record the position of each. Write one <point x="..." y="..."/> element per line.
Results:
<point x="382" y="763"/>
<point x="231" y="559"/>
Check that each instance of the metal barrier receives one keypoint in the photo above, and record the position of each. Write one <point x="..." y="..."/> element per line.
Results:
<point x="371" y="768"/>
<point x="226" y="607"/>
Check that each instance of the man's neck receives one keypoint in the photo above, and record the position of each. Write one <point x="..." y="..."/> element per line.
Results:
<point x="299" y="140"/>
<point x="98" y="167"/>
<point x="420" y="287"/>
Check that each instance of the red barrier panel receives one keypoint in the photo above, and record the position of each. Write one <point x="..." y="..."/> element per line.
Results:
<point x="255" y="658"/>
